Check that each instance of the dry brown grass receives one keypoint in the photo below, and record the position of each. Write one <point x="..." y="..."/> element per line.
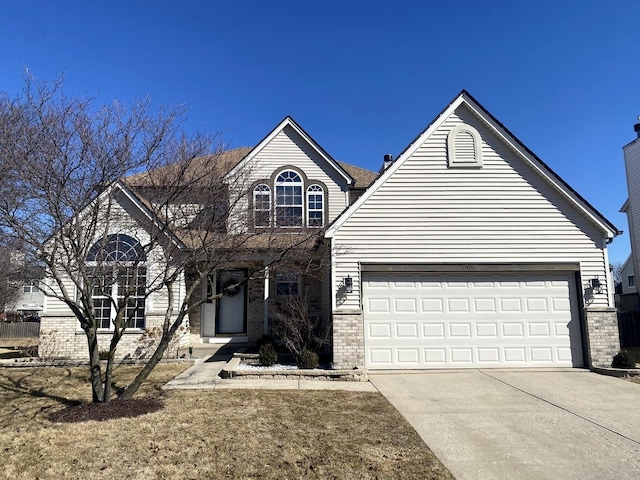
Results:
<point x="205" y="434"/>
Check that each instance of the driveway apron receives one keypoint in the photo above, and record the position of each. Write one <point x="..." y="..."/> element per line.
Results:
<point x="498" y="424"/>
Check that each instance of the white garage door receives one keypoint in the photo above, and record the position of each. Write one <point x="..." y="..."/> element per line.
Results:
<point x="471" y="320"/>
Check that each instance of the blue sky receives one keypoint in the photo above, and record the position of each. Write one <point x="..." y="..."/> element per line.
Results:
<point x="362" y="77"/>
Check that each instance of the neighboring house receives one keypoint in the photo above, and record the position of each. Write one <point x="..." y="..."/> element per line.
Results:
<point x="628" y="278"/>
<point x="631" y="207"/>
<point x="469" y="251"/>
<point x="29" y="303"/>
<point x="466" y="251"/>
<point x="627" y="298"/>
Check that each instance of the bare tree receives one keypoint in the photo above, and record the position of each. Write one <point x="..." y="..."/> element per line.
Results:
<point x="84" y="181"/>
<point x="616" y="271"/>
<point x="10" y="276"/>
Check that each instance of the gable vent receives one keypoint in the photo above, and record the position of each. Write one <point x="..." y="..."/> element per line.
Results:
<point x="464" y="147"/>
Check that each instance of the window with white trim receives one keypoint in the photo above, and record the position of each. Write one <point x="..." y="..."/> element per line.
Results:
<point x="287" y="284"/>
<point x="288" y="208"/>
<point x="30" y="288"/>
<point x="315" y="206"/>
<point x="261" y="205"/>
<point x="631" y="280"/>
<point x="118" y="277"/>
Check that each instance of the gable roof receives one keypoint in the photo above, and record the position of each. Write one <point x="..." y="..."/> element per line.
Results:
<point x="464" y="98"/>
<point x="288" y="121"/>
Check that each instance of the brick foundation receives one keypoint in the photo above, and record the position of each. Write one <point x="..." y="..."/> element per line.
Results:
<point x="62" y="338"/>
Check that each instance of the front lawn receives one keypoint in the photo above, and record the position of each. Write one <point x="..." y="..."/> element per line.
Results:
<point x="206" y="434"/>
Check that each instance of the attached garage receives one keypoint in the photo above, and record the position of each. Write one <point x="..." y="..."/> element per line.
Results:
<point x="449" y="320"/>
<point x="469" y="251"/>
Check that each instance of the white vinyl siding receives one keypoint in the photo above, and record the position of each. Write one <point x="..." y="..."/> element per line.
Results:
<point x="502" y="213"/>
<point x="632" y="165"/>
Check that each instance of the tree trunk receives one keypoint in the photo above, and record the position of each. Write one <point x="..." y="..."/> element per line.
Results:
<point x="133" y="387"/>
<point x="97" y="387"/>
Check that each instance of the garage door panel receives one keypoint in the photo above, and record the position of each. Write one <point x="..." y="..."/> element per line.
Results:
<point x="432" y="305"/>
<point x="405" y="305"/>
<point x="511" y="305"/>
<point x="487" y="330"/>
<point x="379" y="331"/>
<point x="407" y="330"/>
<point x="458" y="305"/>
<point x="461" y="355"/>
<point x="378" y="305"/>
<point x="460" y="330"/>
<point x="539" y="329"/>
<point x="408" y="357"/>
<point x="536" y="305"/>
<point x="484" y="305"/>
<point x="512" y="329"/>
<point x="541" y="354"/>
<point x="419" y="321"/>
<point x="433" y="330"/>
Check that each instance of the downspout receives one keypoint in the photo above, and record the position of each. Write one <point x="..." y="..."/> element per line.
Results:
<point x="265" y="305"/>
<point x="610" y="285"/>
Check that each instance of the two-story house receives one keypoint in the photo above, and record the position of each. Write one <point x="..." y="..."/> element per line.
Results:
<point x="466" y="251"/>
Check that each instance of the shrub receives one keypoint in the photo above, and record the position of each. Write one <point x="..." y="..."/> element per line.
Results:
<point x="268" y="354"/>
<point x="308" y="359"/>
<point x="623" y="359"/>
<point x="298" y="326"/>
<point x="264" y="339"/>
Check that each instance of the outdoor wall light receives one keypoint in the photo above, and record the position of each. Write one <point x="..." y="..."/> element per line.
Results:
<point x="348" y="284"/>
<point x="596" y="285"/>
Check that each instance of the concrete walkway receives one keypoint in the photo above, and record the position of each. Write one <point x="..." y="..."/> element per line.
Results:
<point x="488" y="424"/>
<point x="205" y="374"/>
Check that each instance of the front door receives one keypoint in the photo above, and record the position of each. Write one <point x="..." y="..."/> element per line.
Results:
<point x="226" y="315"/>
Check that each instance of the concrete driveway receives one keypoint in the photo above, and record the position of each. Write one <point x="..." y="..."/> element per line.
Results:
<point x="498" y="424"/>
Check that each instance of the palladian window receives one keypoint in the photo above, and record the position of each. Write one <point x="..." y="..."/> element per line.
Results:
<point x="118" y="278"/>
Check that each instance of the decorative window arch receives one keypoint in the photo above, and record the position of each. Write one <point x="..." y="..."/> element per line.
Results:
<point x="464" y="147"/>
<point x="118" y="279"/>
<point x="288" y="199"/>
<point x="262" y="205"/>
<point x="315" y="206"/>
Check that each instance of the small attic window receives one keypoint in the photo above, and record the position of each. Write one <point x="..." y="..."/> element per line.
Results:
<point x="464" y="147"/>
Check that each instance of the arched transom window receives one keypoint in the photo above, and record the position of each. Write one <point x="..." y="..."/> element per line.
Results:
<point x="118" y="279"/>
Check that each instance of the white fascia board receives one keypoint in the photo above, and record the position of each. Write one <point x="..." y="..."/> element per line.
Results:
<point x="394" y="166"/>
<point x="288" y="121"/>
<point x="541" y="170"/>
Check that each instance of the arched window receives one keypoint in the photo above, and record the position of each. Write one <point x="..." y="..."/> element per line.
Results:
<point x="261" y="205"/>
<point x="118" y="279"/>
<point x="315" y="206"/>
<point x="289" y="206"/>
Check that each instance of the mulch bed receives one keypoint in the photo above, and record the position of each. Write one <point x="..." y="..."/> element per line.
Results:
<point x="106" y="411"/>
